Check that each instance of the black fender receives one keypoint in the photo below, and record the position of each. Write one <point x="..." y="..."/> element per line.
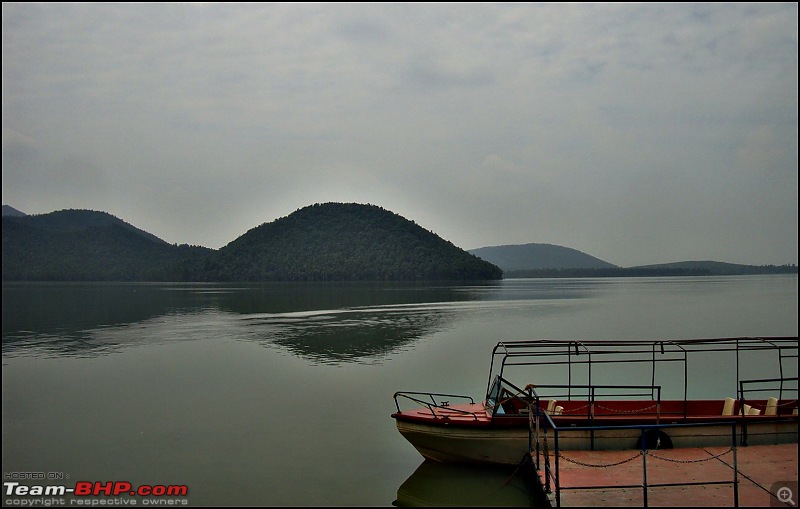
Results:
<point x="655" y="439"/>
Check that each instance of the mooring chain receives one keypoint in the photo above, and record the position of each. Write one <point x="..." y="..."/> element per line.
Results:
<point x="578" y="409"/>
<point x="571" y="460"/>
<point x="785" y="404"/>
<point x="606" y="465"/>
<point x="546" y="451"/>
<point x="627" y="411"/>
<point x="700" y="460"/>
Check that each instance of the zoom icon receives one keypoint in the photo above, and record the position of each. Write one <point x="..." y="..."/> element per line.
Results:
<point x="784" y="494"/>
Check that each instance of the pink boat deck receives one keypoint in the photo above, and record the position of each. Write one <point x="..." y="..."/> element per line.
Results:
<point x="762" y="470"/>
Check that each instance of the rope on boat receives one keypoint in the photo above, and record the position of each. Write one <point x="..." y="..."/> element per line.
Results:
<point x="525" y="459"/>
<point x="528" y="457"/>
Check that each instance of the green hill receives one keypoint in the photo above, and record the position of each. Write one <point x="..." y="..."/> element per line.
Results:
<point x="11" y="211"/>
<point x="318" y="243"/>
<point x="85" y="245"/>
<point x="337" y="241"/>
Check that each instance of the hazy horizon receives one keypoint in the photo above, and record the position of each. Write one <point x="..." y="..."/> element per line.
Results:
<point x="469" y="249"/>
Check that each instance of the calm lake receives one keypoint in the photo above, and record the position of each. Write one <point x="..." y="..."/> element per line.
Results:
<point x="281" y="394"/>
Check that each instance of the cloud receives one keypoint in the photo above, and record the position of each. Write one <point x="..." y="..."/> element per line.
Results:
<point x="598" y="127"/>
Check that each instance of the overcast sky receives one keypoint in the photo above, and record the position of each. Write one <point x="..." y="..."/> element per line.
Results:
<point x="638" y="134"/>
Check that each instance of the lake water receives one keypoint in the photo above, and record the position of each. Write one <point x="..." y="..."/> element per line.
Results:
<point x="281" y="394"/>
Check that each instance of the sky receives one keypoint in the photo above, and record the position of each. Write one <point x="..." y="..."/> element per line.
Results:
<point x="636" y="133"/>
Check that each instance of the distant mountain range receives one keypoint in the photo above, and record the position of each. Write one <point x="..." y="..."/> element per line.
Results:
<point x="539" y="256"/>
<point x="322" y="242"/>
<point x="546" y="260"/>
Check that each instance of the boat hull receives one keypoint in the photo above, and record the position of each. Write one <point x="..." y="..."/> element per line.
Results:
<point x="466" y="445"/>
<point x="509" y="445"/>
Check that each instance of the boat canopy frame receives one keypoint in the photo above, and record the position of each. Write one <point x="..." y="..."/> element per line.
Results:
<point x="586" y="354"/>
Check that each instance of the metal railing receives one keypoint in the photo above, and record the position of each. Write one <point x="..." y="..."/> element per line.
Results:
<point x="773" y="386"/>
<point x="432" y="404"/>
<point x="776" y="407"/>
<point x="540" y="455"/>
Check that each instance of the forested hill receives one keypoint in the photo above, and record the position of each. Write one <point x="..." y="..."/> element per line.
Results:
<point x="11" y="211"/>
<point x="317" y="243"/>
<point x="337" y="241"/>
<point x="86" y="245"/>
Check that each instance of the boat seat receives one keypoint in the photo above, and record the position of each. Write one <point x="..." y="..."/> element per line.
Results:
<point x="772" y="407"/>
<point x="749" y="410"/>
<point x="752" y="410"/>
<point x="727" y="408"/>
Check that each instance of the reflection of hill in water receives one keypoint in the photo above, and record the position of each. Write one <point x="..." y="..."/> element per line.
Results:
<point x="368" y="319"/>
<point x="348" y="334"/>
<point x="323" y="322"/>
<point x="450" y="485"/>
<point x="59" y="318"/>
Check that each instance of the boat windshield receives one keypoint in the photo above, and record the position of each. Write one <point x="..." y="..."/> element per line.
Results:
<point x="493" y="395"/>
<point x="504" y="397"/>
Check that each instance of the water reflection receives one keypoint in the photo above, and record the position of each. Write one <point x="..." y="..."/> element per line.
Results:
<point x="70" y="318"/>
<point x="360" y="334"/>
<point x="322" y="322"/>
<point x="450" y="485"/>
<point x="325" y="322"/>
